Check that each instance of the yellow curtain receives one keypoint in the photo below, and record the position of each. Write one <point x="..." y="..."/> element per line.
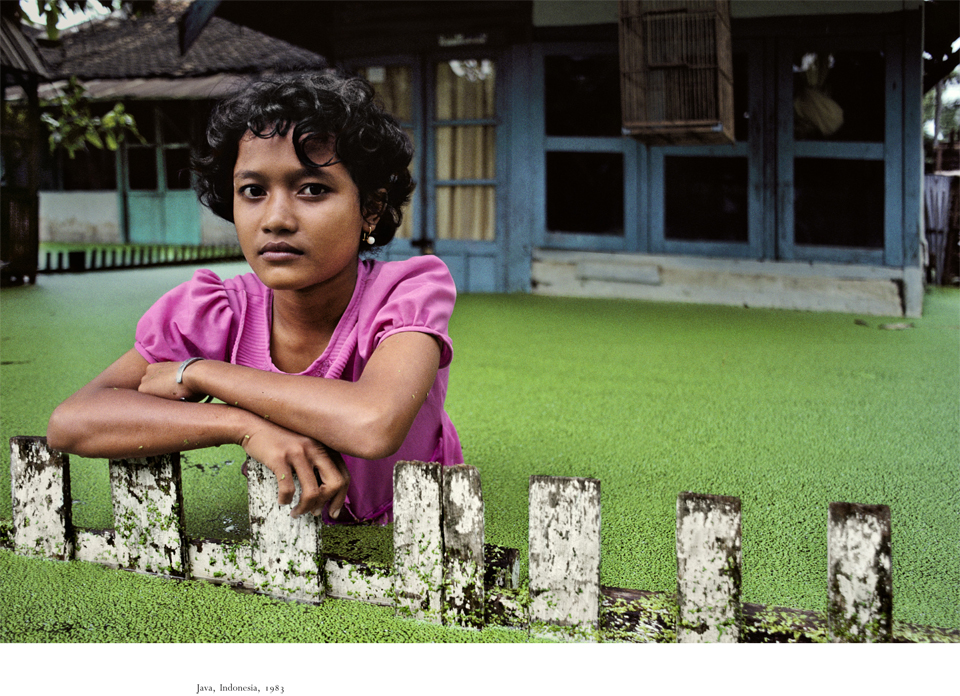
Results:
<point x="394" y="88"/>
<point x="466" y="90"/>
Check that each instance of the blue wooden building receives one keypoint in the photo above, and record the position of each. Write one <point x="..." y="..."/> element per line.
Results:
<point x="527" y="182"/>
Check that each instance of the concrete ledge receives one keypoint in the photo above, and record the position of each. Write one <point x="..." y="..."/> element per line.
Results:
<point x="871" y="290"/>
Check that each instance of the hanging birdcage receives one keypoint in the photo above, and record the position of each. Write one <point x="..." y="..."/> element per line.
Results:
<point x="676" y="71"/>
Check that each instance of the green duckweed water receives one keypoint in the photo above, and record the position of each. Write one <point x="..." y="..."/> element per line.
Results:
<point x="787" y="410"/>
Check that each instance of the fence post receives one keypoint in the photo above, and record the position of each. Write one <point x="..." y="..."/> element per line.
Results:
<point x="417" y="540"/>
<point x="286" y="552"/>
<point x="708" y="569"/>
<point x="463" y="561"/>
<point x="40" y="482"/>
<point x="148" y="514"/>
<point x="860" y="581"/>
<point x="565" y="556"/>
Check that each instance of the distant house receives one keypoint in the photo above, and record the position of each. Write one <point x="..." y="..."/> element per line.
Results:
<point x="142" y="193"/>
<point x="21" y="69"/>
<point x="528" y="184"/>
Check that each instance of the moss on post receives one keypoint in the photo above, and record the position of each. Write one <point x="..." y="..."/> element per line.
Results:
<point x="565" y="557"/>
<point x="708" y="569"/>
<point x="148" y="514"/>
<point x="40" y="485"/>
<point x="859" y="577"/>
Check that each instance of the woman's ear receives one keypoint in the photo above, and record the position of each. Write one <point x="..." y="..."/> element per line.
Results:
<point x="375" y="206"/>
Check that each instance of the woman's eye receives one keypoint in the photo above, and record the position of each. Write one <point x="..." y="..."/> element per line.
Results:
<point x="251" y="191"/>
<point x="315" y="189"/>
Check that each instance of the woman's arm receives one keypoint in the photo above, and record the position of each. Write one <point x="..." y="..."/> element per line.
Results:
<point x="369" y="418"/>
<point x="110" y="418"/>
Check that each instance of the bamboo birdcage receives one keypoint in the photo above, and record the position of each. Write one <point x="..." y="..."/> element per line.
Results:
<point x="676" y="71"/>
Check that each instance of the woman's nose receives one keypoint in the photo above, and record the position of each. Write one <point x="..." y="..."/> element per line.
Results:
<point x="279" y="215"/>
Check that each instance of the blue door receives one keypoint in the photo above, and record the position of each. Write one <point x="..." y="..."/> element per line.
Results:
<point x="161" y="207"/>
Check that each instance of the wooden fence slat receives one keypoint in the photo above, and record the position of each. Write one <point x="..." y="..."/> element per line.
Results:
<point x="286" y="552"/>
<point x="40" y="481"/>
<point x="565" y="556"/>
<point x="708" y="569"/>
<point x="859" y="577"/>
<point x="463" y="561"/>
<point x="148" y="514"/>
<point x="417" y="540"/>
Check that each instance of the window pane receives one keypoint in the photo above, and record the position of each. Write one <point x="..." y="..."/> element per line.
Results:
<point x="839" y="96"/>
<point x="175" y="119"/>
<point x="467" y="212"/>
<point x="142" y="162"/>
<point x="91" y="170"/>
<point x="466" y="152"/>
<point x="393" y="85"/>
<point x="705" y="199"/>
<point x="838" y="203"/>
<point x="585" y="192"/>
<point x="466" y="89"/>
<point x="143" y="114"/>
<point x="177" y="163"/>
<point x="582" y="95"/>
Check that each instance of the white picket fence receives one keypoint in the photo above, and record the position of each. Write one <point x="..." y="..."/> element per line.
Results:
<point x="443" y="572"/>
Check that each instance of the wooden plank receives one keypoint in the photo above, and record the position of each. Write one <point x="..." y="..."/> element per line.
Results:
<point x="97" y="546"/>
<point x="859" y="577"/>
<point x="40" y="486"/>
<point x="222" y="562"/>
<point x="358" y="581"/>
<point x="637" y="616"/>
<point x="708" y="569"/>
<point x="565" y="557"/>
<point x="286" y="552"/>
<point x="148" y="514"/>
<point x="417" y="540"/>
<point x="463" y="555"/>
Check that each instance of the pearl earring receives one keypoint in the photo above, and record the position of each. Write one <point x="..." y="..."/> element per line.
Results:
<point x="370" y="239"/>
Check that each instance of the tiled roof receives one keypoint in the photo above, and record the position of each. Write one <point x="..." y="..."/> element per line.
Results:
<point x="148" y="46"/>
<point x="17" y="51"/>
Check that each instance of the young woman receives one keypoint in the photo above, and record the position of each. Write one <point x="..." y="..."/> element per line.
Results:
<point x="328" y="365"/>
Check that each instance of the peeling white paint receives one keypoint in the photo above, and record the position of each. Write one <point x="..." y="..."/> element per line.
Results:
<point x="285" y="551"/>
<point x="417" y="540"/>
<point x="41" y="499"/>
<point x="97" y="547"/>
<point x="565" y="555"/>
<point x="359" y="582"/>
<point x="708" y="563"/>
<point x="859" y="575"/>
<point x="147" y="515"/>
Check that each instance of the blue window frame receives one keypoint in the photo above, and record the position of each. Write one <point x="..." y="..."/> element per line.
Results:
<point x="588" y="181"/>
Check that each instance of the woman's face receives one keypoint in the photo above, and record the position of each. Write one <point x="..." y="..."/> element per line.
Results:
<point x="299" y="228"/>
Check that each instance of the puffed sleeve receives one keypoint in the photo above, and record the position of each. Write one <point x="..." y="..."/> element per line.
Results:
<point x="414" y="295"/>
<point x="194" y="319"/>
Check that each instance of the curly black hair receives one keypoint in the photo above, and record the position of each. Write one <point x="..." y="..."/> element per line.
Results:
<point x="368" y="141"/>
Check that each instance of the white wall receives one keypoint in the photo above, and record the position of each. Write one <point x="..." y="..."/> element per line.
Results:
<point x="80" y="216"/>
<point x="215" y="230"/>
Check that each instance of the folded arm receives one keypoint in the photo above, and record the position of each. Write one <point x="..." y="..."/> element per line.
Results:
<point x="369" y="418"/>
<point x="288" y="422"/>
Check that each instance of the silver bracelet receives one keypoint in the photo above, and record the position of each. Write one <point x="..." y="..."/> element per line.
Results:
<point x="183" y="366"/>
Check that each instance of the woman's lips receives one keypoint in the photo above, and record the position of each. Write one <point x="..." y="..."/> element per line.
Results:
<point x="279" y="250"/>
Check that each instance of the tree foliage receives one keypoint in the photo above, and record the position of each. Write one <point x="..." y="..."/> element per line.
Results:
<point x="50" y="11"/>
<point x="73" y="126"/>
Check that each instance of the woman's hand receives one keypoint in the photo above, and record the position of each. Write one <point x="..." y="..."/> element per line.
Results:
<point x="285" y="452"/>
<point x="160" y="379"/>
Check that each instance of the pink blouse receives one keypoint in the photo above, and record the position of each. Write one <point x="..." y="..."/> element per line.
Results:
<point x="230" y="320"/>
